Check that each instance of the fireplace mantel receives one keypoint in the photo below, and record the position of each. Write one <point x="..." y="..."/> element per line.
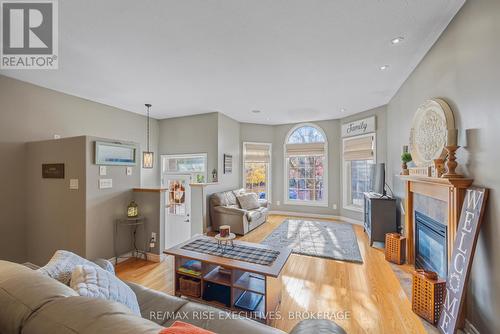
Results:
<point x="450" y="191"/>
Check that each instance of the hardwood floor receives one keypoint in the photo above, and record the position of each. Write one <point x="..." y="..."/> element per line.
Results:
<point x="365" y="298"/>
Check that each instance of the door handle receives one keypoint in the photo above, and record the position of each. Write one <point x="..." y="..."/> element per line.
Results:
<point x="186" y="220"/>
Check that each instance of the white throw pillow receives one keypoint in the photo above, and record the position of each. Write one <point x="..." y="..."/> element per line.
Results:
<point x="248" y="201"/>
<point x="89" y="281"/>
<point x="61" y="265"/>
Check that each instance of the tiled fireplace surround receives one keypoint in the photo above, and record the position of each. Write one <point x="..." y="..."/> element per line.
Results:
<point x="437" y="198"/>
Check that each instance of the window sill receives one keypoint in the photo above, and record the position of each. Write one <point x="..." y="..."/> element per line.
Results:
<point x="353" y="208"/>
<point x="305" y="203"/>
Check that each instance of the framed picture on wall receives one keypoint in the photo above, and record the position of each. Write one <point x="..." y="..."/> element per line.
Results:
<point x="228" y="163"/>
<point x="108" y="153"/>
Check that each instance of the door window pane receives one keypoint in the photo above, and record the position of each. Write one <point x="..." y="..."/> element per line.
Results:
<point x="176" y="201"/>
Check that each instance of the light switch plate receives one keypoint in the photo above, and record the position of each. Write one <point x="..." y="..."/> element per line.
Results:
<point x="103" y="170"/>
<point x="73" y="184"/>
<point x="129" y="171"/>
<point x="105" y="183"/>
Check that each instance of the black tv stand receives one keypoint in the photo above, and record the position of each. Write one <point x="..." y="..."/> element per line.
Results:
<point x="379" y="216"/>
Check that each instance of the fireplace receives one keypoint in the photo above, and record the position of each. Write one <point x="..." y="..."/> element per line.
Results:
<point x="430" y="245"/>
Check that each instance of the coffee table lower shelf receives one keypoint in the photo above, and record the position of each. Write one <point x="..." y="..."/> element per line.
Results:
<point x="230" y="286"/>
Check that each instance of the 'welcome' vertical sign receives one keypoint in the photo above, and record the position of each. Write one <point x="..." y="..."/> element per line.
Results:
<point x="461" y="259"/>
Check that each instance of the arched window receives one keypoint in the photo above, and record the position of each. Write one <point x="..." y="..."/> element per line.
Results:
<point x="306" y="166"/>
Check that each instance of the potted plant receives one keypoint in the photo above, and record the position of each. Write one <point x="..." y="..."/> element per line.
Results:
<point x="405" y="158"/>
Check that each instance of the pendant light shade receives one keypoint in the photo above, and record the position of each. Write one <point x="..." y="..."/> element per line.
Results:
<point x="148" y="156"/>
<point x="147" y="159"/>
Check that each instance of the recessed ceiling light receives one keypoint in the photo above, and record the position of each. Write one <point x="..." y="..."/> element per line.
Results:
<point x="384" y="67"/>
<point x="256" y="111"/>
<point x="397" y="40"/>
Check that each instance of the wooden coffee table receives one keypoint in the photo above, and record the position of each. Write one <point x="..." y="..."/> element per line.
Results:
<point x="241" y="277"/>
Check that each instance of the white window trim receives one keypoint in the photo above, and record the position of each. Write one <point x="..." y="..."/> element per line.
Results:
<point x="345" y="204"/>
<point x="163" y="157"/>
<point x="286" y="200"/>
<point x="270" y="170"/>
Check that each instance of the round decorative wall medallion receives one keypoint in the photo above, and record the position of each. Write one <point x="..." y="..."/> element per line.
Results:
<point x="429" y="133"/>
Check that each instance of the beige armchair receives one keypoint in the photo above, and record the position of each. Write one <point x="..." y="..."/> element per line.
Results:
<point x="225" y="210"/>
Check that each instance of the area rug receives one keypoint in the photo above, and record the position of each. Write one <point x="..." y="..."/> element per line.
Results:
<point x="321" y="239"/>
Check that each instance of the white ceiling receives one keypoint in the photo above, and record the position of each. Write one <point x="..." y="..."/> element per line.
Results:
<point x="295" y="60"/>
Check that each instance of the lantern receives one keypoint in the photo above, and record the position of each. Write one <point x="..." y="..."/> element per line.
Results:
<point x="132" y="210"/>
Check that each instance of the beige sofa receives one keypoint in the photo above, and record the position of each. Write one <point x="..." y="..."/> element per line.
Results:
<point x="32" y="303"/>
<point x="225" y="210"/>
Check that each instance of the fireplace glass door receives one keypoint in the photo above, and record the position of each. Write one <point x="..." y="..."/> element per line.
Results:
<point x="430" y="245"/>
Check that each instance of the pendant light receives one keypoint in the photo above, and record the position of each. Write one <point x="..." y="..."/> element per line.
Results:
<point x="147" y="156"/>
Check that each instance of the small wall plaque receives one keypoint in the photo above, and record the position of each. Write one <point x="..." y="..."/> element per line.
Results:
<point x="53" y="171"/>
<point x="228" y="163"/>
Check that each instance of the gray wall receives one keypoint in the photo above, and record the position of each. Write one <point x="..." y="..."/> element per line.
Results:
<point x="212" y="133"/>
<point x="152" y="207"/>
<point x="228" y="143"/>
<point x="55" y="214"/>
<point x="276" y="134"/>
<point x="463" y="68"/>
<point x="105" y="206"/>
<point x="32" y="113"/>
<point x="191" y="134"/>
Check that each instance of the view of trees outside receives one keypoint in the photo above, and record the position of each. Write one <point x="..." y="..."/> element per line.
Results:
<point x="306" y="134"/>
<point x="305" y="178"/>
<point x="360" y="180"/>
<point x="256" y="178"/>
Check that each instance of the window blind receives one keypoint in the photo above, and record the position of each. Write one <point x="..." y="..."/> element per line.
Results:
<point x="257" y="153"/>
<point x="305" y="149"/>
<point x="359" y="148"/>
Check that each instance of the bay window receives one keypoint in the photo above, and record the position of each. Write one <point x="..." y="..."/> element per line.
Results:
<point x="306" y="161"/>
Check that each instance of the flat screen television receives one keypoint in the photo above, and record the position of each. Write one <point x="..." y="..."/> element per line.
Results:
<point x="377" y="179"/>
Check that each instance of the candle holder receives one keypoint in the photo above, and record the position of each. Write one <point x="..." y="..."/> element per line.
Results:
<point x="451" y="164"/>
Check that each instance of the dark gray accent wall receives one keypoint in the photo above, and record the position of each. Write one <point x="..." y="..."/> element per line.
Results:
<point x="55" y="214"/>
<point x="463" y="68"/>
<point x="32" y="113"/>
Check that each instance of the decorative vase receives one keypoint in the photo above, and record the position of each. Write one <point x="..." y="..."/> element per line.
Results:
<point x="405" y="170"/>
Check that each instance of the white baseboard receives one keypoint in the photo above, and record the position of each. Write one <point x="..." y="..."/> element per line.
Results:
<point x="469" y="328"/>
<point x="155" y="257"/>
<point x="316" y="215"/>
<point x="121" y="258"/>
<point x="149" y="256"/>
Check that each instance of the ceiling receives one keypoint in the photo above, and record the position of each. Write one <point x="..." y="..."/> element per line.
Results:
<point x="294" y="60"/>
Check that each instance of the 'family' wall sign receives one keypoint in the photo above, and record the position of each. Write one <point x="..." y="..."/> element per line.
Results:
<point x="359" y="127"/>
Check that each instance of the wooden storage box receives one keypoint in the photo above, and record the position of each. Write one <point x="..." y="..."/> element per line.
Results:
<point x="428" y="295"/>
<point x="395" y="245"/>
<point x="190" y="286"/>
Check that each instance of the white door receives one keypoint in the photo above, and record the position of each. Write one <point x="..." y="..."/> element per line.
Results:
<point x="178" y="209"/>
